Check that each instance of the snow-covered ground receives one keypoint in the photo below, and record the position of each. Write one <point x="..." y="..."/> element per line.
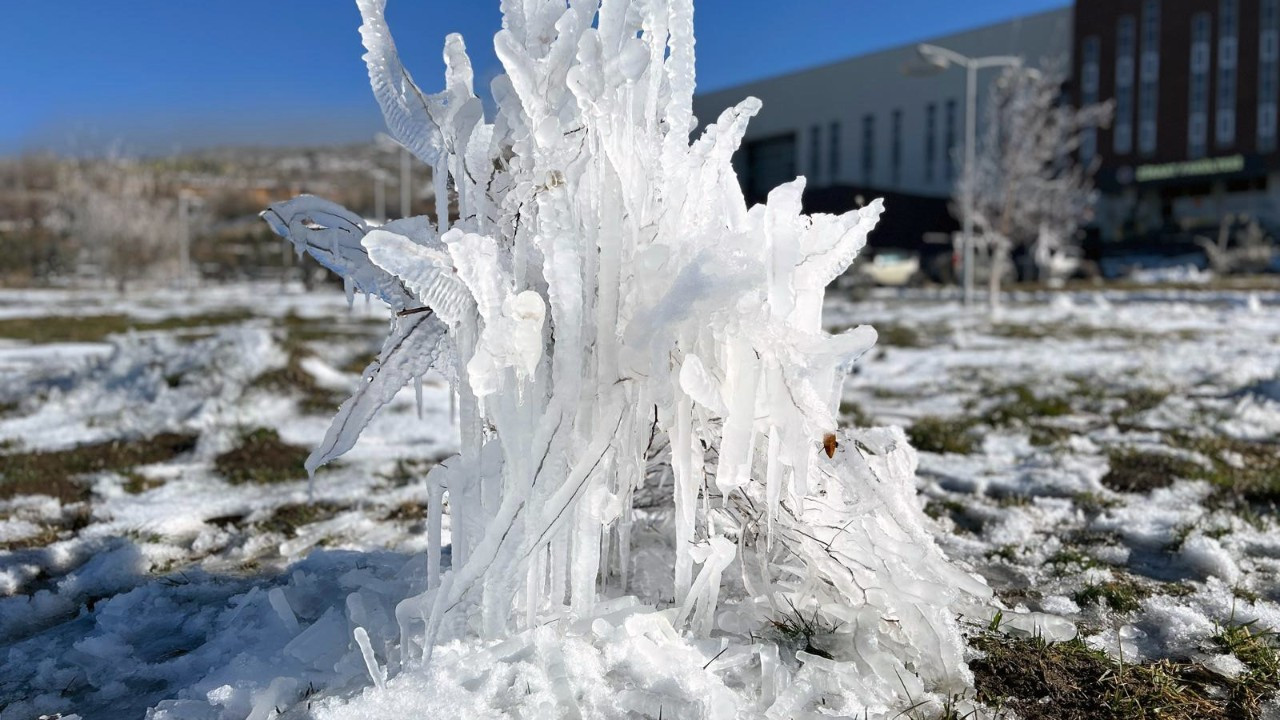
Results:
<point x="1123" y="449"/>
<point x="1110" y="458"/>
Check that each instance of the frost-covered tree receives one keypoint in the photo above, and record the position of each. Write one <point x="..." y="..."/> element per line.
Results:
<point x="117" y="217"/>
<point x="639" y="360"/>
<point x="1029" y="187"/>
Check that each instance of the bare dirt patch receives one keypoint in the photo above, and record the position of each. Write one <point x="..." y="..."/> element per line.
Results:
<point x="262" y="458"/>
<point x="96" y="328"/>
<point x="56" y="473"/>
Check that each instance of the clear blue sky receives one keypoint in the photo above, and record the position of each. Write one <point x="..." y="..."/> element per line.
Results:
<point x="154" y="75"/>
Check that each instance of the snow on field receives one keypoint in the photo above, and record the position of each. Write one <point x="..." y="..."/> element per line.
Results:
<point x="1123" y="451"/>
<point x="1109" y="458"/>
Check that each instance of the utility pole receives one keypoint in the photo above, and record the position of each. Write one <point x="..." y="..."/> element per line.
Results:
<point x="184" y="240"/>
<point x="938" y="59"/>
<point x="406" y="197"/>
<point x="970" y="162"/>
<point x="379" y="195"/>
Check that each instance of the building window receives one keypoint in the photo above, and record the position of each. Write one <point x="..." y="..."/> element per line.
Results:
<point x="1228" y="44"/>
<point x="815" y="152"/>
<point x="930" y="140"/>
<point x="1268" y="74"/>
<point x="895" y="148"/>
<point x="949" y="142"/>
<point x="1149" y="77"/>
<point x="1125" y="46"/>
<point x="1198" y="87"/>
<point x="868" y="149"/>
<point x="1090" y="49"/>
<point x="766" y="164"/>
<point x="833" y="159"/>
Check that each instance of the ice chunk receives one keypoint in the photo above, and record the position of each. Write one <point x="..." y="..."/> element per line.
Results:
<point x="280" y="604"/>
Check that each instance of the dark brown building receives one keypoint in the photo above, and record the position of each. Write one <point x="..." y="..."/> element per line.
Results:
<point x="1195" y="86"/>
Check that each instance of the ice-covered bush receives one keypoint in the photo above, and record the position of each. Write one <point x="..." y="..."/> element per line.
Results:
<point x="646" y="394"/>
<point x="1029" y="186"/>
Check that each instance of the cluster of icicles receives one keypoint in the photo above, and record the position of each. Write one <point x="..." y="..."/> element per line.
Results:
<point x="617" y="323"/>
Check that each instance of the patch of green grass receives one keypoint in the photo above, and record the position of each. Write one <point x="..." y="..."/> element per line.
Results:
<point x="407" y="471"/>
<point x="895" y="335"/>
<point x="288" y="518"/>
<point x="1070" y="560"/>
<point x="959" y="514"/>
<point x="72" y="520"/>
<point x="409" y="511"/>
<point x="297" y="335"/>
<point x="1044" y="435"/>
<point x="1007" y="499"/>
<point x="1015" y="331"/>
<point x="937" y="508"/>
<point x="47" y="535"/>
<point x="794" y="628"/>
<point x="1179" y="537"/>
<point x="1122" y="596"/>
<point x="1258" y="650"/>
<point x="55" y="473"/>
<point x="1241" y="470"/>
<point x="853" y="414"/>
<point x="293" y="379"/>
<point x="357" y="363"/>
<point x="1023" y="406"/>
<point x="1142" y="399"/>
<point x="261" y="457"/>
<point x="96" y="328"/>
<point x="1071" y="681"/>
<point x="1008" y="552"/>
<point x="1138" y="471"/>
<point x="944" y="435"/>
<point x="1093" y="503"/>
<point x="136" y="483"/>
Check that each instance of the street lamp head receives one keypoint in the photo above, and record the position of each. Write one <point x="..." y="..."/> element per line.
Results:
<point x="934" y="56"/>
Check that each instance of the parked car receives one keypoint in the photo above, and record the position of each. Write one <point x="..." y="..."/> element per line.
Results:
<point x="1156" y="250"/>
<point x="893" y="267"/>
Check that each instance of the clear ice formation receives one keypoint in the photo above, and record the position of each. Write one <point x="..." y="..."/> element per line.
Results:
<point x="616" y="322"/>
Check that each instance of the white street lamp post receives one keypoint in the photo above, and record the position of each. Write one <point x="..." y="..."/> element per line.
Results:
<point x="185" y="200"/>
<point x="385" y="143"/>
<point x="939" y="59"/>
<point x="379" y="195"/>
<point x="406" y="197"/>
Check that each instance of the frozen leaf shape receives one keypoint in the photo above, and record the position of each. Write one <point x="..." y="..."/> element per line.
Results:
<point x="332" y="235"/>
<point x="416" y="345"/>
<point x="426" y="271"/>
<point x="403" y="105"/>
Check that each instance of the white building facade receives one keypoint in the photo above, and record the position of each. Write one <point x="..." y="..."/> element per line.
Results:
<point x="867" y="126"/>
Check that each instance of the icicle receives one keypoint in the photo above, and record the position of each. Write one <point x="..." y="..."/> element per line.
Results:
<point x="687" y="477"/>
<point x="417" y="394"/>
<point x="734" y="468"/>
<point x="715" y="555"/>
<point x="376" y="673"/>
<point x="435" y="511"/>
<point x="440" y="176"/>
<point x="773" y="483"/>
